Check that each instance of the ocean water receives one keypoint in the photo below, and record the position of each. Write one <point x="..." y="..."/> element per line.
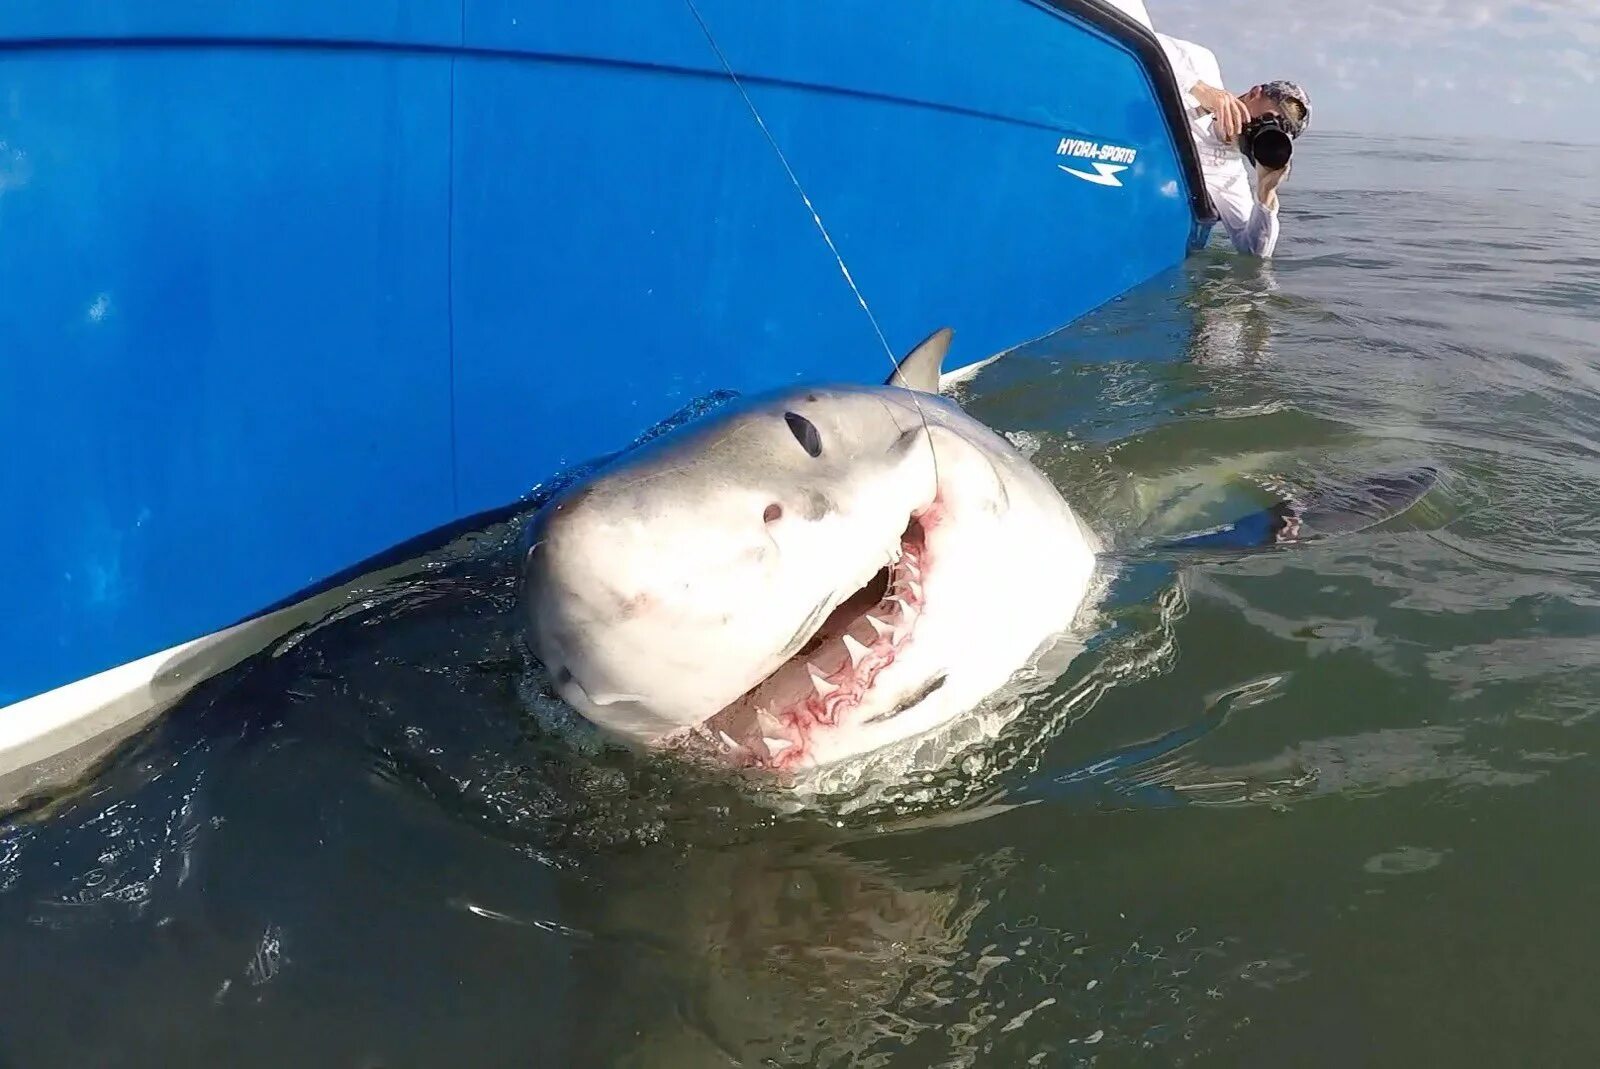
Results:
<point x="1328" y="806"/>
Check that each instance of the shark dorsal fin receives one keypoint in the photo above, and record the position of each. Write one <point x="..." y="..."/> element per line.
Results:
<point x="921" y="367"/>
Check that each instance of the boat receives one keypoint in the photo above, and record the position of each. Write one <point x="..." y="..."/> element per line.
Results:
<point x="286" y="286"/>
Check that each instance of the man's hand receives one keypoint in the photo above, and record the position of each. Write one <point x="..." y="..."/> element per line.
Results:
<point x="1267" y="184"/>
<point x="1230" y="113"/>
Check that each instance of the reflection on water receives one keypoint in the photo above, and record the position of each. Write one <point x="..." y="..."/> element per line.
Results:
<point x="1282" y="809"/>
<point x="1233" y="311"/>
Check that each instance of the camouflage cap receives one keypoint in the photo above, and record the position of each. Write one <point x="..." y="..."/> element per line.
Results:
<point x="1284" y="92"/>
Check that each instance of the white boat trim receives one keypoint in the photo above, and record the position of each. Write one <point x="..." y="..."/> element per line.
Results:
<point x="51" y="739"/>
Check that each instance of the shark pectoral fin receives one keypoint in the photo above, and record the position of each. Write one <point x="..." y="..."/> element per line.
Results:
<point x="1357" y="506"/>
<point x="1338" y="510"/>
<point x="920" y="369"/>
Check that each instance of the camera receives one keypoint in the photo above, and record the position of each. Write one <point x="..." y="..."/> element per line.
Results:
<point x="1265" y="140"/>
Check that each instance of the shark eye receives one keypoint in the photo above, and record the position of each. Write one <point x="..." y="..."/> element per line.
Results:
<point x="805" y="432"/>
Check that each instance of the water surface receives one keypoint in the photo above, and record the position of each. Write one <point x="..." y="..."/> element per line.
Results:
<point x="1323" y="807"/>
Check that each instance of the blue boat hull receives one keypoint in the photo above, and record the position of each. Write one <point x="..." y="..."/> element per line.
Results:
<point x="283" y="286"/>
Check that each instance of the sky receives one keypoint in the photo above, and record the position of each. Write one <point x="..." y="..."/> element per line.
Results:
<point x="1518" y="69"/>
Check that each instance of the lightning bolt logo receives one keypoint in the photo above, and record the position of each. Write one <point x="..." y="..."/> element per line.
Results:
<point x="1105" y="173"/>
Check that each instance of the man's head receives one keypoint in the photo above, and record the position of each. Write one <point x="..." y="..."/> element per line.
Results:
<point x="1287" y="100"/>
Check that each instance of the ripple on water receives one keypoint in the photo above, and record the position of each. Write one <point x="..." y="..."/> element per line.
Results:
<point x="381" y="843"/>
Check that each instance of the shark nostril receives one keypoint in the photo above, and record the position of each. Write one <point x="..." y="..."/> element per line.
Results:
<point x="773" y="514"/>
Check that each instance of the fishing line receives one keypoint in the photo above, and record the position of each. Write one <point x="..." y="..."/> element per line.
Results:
<point x="793" y="178"/>
<point x="816" y="217"/>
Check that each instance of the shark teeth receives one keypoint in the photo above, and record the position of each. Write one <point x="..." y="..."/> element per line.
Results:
<point x="915" y="589"/>
<point x="727" y="740"/>
<point x="855" y="649"/>
<point x="776" y="746"/>
<point x="820" y="681"/>
<point x="879" y="626"/>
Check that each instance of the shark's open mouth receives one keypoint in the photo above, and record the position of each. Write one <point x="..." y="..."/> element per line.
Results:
<point x="772" y="724"/>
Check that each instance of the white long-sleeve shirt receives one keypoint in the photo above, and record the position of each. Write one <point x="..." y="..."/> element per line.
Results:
<point x="1250" y="224"/>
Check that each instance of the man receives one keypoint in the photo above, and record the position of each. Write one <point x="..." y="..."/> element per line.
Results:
<point x="1215" y="119"/>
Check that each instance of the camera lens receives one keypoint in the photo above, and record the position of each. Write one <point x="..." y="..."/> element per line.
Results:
<point x="1266" y="142"/>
